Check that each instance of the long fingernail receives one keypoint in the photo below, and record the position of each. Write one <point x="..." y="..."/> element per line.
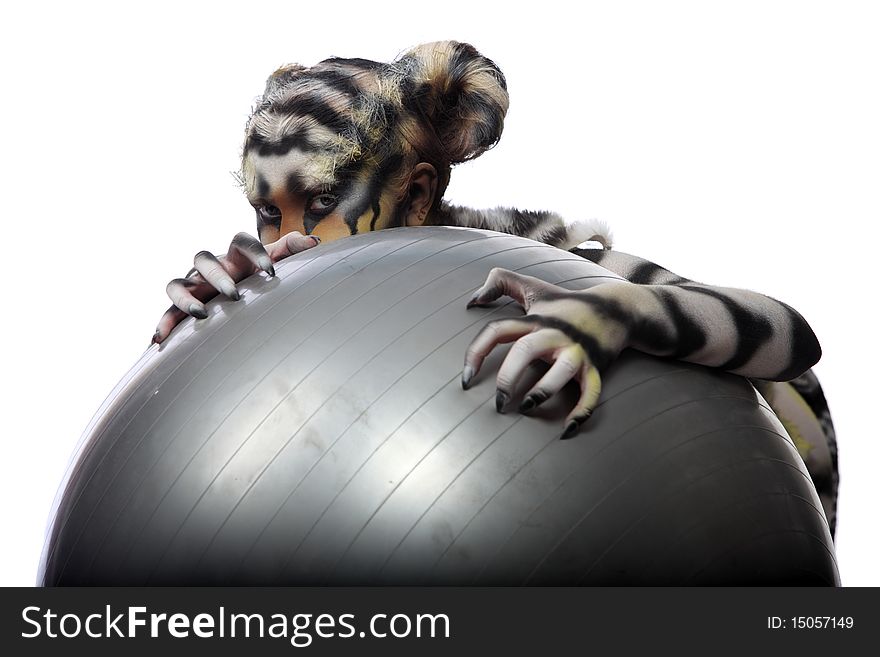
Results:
<point x="527" y="404"/>
<point x="316" y="238"/>
<point x="575" y="424"/>
<point x="466" y="376"/>
<point x="229" y="290"/>
<point x="570" y="429"/>
<point x="501" y="399"/>
<point x="473" y="300"/>
<point x="155" y="339"/>
<point x="197" y="311"/>
<point x="266" y="265"/>
<point x="533" y="400"/>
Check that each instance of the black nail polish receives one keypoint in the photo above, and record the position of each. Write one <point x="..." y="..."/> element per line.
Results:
<point x="570" y="429"/>
<point x="527" y="405"/>
<point x="155" y="339"/>
<point x="230" y="291"/>
<point x="466" y="377"/>
<point x="197" y="311"/>
<point x="501" y="399"/>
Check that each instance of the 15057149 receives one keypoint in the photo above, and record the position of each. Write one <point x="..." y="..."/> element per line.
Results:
<point x="810" y="622"/>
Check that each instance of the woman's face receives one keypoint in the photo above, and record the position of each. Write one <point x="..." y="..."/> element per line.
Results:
<point x="292" y="191"/>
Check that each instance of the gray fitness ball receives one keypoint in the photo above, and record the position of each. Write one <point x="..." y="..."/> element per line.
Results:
<point x="316" y="432"/>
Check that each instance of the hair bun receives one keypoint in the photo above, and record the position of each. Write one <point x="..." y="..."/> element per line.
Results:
<point x="458" y="93"/>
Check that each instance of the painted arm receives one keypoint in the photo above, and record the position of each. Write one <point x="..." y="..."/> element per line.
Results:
<point x="654" y="311"/>
<point x="735" y="330"/>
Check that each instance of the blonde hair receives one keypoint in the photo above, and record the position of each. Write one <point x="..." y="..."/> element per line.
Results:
<point x="443" y="103"/>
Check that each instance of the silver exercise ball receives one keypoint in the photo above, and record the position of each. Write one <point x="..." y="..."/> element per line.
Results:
<point x="316" y="432"/>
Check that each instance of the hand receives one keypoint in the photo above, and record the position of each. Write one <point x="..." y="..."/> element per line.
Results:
<point x="580" y="333"/>
<point x="212" y="275"/>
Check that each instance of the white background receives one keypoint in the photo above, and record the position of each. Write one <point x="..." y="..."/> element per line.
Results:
<point x="736" y="144"/>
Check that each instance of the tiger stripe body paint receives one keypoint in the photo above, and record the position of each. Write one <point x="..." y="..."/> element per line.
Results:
<point x="332" y="151"/>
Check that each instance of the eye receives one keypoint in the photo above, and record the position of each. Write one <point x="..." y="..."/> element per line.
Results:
<point x="323" y="203"/>
<point x="269" y="213"/>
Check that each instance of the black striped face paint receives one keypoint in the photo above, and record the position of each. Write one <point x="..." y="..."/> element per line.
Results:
<point x="288" y="196"/>
<point x="320" y="157"/>
<point x="334" y="149"/>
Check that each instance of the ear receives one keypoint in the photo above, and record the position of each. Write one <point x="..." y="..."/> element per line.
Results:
<point x="420" y="198"/>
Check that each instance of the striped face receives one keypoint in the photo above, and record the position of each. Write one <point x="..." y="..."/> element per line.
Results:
<point x="288" y="196"/>
<point x="321" y="155"/>
<point x="334" y="149"/>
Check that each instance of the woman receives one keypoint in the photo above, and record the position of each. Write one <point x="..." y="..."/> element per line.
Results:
<point x="352" y="145"/>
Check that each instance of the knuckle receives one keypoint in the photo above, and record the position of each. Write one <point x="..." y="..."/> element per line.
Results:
<point x="492" y="329"/>
<point x="503" y="382"/>
<point x="299" y="241"/>
<point x="496" y="276"/>
<point x="555" y="336"/>
<point x="246" y="241"/>
<point x="175" y="284"/>
<point x="473" y="353"/>
<point x="505" y="379"/>
<point x="523" y="346"/>
<point x="568" y="367"/>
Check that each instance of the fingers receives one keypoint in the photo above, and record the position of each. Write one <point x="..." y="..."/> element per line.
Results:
<point x="525" y="290"/>
<point x="528" y="348"/>
<point x="591" y="387"/>
<point x="493" y="333"/>
<point x="180" y="291"/>
<point x="212" y="270"/>
<point x="172" y="317"/>
<point x="188" y="295"/>
<point x="566" y="345"/>
<point x="247" y="254"/>
<point x="568" y="363"/>
<point x="291" y="244"/>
